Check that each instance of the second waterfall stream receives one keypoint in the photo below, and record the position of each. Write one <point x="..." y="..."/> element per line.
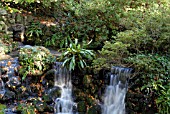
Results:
<point x="114" y="99"/>
<point x="64" y="104"/>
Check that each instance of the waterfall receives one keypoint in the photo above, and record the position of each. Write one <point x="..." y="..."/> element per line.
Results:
<point x="114" y="98"/>
<point x="64" y="104"/>
<point x="2" y="88"/>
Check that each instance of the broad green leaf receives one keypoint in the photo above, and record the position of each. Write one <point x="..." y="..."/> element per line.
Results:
<point x="76" y="41"/>
<point x="81" y="64"/>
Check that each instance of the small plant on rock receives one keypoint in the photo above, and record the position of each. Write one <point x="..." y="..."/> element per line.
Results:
<point x="76" y="56"/>
<point x="34" y="60"/>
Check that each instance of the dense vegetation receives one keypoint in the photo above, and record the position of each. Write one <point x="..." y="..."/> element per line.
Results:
<point x="128" y="33"/>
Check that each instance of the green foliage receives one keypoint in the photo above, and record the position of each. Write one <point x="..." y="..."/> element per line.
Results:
<point x="111" y="54"/>
<point x="147" y="27"/>
<point x="2" y="108"/>
<point x="75" y="56"/>
<point x="154" y="71"/>
<point x="57" y="40"/>
<point x="34" y="29"/>
<point x="83" y="21"/>
<point x="7" y="43"/>
<point x="137" y="39"/>
<point x="98" y="24"/>
<point x="20" y="1"/>
<point x="34" y="32"/>
<point x="34" y="60"/>
<point x="163" y="101"/>
<point x="135" y="28"/>
<point x="26" y="108"/>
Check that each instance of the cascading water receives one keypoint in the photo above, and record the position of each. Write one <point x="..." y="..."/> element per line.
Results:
<point x="2" y="88"/>
<point x="64" y="104"/>
<point x="114" y="99"/>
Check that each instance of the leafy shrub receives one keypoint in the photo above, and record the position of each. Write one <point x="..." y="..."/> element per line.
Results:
<point x="138" y="40"/>
<point x="26" y="108"/>
<point x="154" y="72"/>
<point x="85" y="22"/>
<point x="111" y="54"/>
<point x="147" y="27"/>
<point x="163" y="101"/>
<point x="75" y="56"/>
<point x="34" y="60"/>
<point x="34" y="33"/>
<point x="57" y="40"/>
<point x="139" y="29"/>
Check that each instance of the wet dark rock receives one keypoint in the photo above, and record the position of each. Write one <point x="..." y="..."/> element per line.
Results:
<point x="8" y="67"/>
<point x="76" y="80"/>
<point x="47" y="99"/>
<point x="138" y="95"/>
<point x="40" y="106"/>
<point x="22" y="92"/>
<point x="2" y="94"/>
<point x="8" y="95"/>
<point x="3" y="71"/>
<point x="128" y="111"/>
<point x="18" y="32"/>
<point x="95" y="109"/>
<point x="54" y="93"/>
<point x="55" y="52"/>
<point x="5" y="78"/>
<point x="49" y="109"/>
<point x="32" y="99"/>
<point x="49" y="75"/>
<point x="48" y="83"/>
<point x="87" y="80"/>
<point x="106" y="78"/>
<point x="11" y="111"/>
<point x="14" y="82"/>
<point x="82" y="112"/>
<point x="36" y="88"/>
<point x="48" y="79"/>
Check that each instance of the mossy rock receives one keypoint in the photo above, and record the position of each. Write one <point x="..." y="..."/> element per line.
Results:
<point x="35" y="60"/>
<point x="87" y="80"/>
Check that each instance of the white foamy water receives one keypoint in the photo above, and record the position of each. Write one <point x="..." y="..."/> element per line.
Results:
<point x="2" y="88"/>
<point x="63" y="104"/>
<point x="114" y="99"/>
